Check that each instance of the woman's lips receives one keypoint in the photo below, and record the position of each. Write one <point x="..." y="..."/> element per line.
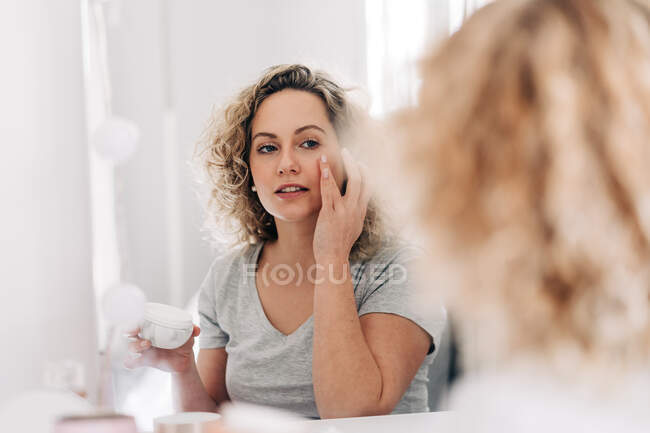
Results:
<point x="289" y="195"/>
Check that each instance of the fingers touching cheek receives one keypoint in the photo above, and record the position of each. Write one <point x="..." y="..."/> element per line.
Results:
<point x="335" y="166"/>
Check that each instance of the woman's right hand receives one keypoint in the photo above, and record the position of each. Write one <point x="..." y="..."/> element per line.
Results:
<point x="142" y="354"/>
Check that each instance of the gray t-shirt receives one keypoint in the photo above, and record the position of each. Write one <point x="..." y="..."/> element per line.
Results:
<point x="269" y="368"/>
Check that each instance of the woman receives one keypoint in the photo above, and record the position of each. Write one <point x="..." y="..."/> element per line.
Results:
<point x="309" y="314"/>
<point x="533" y="142"/>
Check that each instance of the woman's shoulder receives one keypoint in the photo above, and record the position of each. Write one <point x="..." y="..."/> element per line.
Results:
<point x="231" y="260"/>
<point x="395" y="250"/>
<point x="391" y="261"/>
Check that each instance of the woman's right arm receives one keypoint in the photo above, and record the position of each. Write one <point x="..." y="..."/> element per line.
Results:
<point x="202" y="387"/>
<point x="196" y="386"/>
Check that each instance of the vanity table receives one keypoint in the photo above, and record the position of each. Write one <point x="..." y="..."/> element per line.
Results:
<point x="439" y="422"/>
<point x="426" y="422"/>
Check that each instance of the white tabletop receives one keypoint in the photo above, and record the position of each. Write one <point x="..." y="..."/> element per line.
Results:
<point x="438" y="422"/>
<point x="429" y="422"/>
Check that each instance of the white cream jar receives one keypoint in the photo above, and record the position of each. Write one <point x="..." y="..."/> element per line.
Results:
<point x="165" y="326"/>
<point x="188" y="422"/>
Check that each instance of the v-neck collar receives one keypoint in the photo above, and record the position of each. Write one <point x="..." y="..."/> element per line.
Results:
<point x="254" y="293"/>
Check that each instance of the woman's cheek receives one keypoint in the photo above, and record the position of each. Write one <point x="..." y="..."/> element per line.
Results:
<point x="340" y="176"/>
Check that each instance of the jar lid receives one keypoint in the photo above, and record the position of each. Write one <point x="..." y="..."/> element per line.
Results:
<point x="166" y="315"/>
<point x="187" y="422"/>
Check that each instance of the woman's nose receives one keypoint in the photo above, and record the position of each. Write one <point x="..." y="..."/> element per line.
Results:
<point x="288" y="163"/>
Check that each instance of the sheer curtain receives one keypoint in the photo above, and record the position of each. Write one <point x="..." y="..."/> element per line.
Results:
<point x="397" y="37"/>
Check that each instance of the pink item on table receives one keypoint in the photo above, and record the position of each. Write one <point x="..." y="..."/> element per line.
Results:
<point x="99" y="423"/>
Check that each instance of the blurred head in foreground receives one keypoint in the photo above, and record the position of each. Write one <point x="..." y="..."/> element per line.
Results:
<point x="528" y="158"/>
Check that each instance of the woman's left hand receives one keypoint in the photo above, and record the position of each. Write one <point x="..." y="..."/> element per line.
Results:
<point x="341" y="218"/>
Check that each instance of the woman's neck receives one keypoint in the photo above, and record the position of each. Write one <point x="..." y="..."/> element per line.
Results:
<point x="294" y="244"/>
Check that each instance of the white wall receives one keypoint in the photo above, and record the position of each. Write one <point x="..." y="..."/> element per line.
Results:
<point x="191" y="56"/>
<point x="46" y="299"/>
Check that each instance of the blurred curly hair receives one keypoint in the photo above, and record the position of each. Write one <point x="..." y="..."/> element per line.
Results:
<point x="234" y="212"/>
<point x="528" y="158"/>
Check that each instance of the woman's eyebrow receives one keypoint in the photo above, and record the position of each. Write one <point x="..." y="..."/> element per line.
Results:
<point x="263" y="134"/>
<point x="302" y="128"/>
<point x="297" y="131"/>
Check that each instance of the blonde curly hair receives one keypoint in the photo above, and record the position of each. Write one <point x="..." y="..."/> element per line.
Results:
<point x="234" y="212"/>
<point x="528" y="157"/>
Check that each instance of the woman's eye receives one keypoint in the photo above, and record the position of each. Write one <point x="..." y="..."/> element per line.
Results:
<point x="267" y="148"/>
<point x="308" y="144"/>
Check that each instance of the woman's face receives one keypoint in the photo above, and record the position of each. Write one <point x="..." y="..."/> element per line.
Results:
<point x="290" y="132"/>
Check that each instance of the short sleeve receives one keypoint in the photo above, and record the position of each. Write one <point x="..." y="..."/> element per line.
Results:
<point x="390" y="288"/>
<point x="211" y="336"/>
